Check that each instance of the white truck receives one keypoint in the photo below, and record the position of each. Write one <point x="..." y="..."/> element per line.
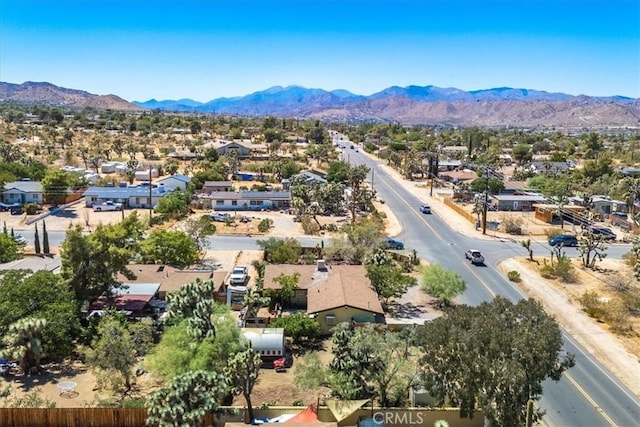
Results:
<point x="107" y="206"/>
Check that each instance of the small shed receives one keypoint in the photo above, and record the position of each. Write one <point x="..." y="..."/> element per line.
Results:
<point x="268" y="342"/>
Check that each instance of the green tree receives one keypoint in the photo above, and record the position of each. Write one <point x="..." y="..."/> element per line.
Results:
<point x="242" y="373"/>
<point x="179" y="351"/>
<point x="495" y="186"/>
<point x="22" y="343"/>
<point x="175" y="204"/>
<point x="281" y="251"/>
<point x="194" y="302"/>
<point x="299" y="327"/>
<point x="90" y="264"/>
<point x="522" y="153"/>
<point x="186" y="401"/>
<point x="199" y="230"/>
<point x="493" y="357"/>
<point x="389" y="281"/>
<point x="36" y="242"/>
<point x="116" y="349"/>
<point x="41" y="295"/>
<point x="288" y="285"/>
<point x="174" y="248"/>
<point x="10" y="250"/>
<point x="45" y="239"/>
<point x="442" y="283"/>
<point x="55" y="186"/>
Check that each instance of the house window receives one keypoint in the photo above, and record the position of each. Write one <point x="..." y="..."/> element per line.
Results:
<point x="256" y="203"/>
<point x="234" y="203"/>
<point x="330" y="319"/>
<point x="219" y="202"/>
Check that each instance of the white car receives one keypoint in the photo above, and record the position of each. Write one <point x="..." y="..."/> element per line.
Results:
<point x="107" y="206"/>
<point x="20" y="239"/>
<point x="474" y="256"/>
<point x="239" y="275"/>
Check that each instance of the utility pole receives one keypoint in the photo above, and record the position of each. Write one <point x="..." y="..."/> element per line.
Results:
<point x="486" y="202"/>
<point x="150" y="197"/>
<point x="372" y="175"/>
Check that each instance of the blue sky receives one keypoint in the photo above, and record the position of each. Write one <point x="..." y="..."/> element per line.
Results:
<point x="209" y="49"/>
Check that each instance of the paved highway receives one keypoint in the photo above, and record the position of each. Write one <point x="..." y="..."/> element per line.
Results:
<point x="587" y="395"/>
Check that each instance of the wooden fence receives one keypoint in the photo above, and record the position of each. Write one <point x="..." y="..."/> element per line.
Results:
<point x="459" y="210"/>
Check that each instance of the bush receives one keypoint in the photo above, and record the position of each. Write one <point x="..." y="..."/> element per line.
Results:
<point x="512" y="225"/>
<point x="265" y="225"/>
<point x="562" y="270"/>
<point x="616" y="314"/>
<point x="591" y="304"/>
<point x="309" y="225"/>
<point x="514" y="276"/>
<point x="31" y="208"/>
<point x="547" y="272"/>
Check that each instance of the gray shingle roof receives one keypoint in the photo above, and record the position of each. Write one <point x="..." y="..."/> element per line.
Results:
<point x="24" y="186"/>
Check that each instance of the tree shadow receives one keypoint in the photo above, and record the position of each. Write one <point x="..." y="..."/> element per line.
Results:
<point x="407" y="310"/>
<point x="48" y="374"/>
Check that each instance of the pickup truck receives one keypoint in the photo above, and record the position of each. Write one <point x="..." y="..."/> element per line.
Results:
<point x="220" y="217"/>
<point x="107" y="206"/>
<point x="239" y="275"/>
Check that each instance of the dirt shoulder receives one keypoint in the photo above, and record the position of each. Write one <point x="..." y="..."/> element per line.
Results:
<point x="614" y="352"/>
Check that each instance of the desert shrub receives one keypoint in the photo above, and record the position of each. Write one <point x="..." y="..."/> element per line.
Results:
<point x="564" y="270"/>
<point x="31" y="208"/>
<point x="616" y="314"/>
<point x="630" y="259"/>
<point x="552" y="232"/>
<point x="547" y="272"/>
<point x="592" y="305"/>
<point x="514" y="276"/>
<point x="623" y="281"/>
<point x="512" y="225"/>
<point x="265" y="225"/>
<point x="332" y="228"/>
<point x="309" y="225"/>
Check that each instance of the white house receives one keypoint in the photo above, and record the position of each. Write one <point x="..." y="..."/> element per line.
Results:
<point x="108" y="167"/>
<point x="247" y="200"/>
<point x="143" y="175"/>
<point x="177" y="181"/>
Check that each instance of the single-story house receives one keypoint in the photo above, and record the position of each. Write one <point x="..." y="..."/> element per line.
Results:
<point x="516" y="202"/>
<point x="172" y="182"/>
<point x="267" y="342"/>
<point x="334" y="294"/>
<point x="247" y="200"/>
<point x="549" y="213"/>
<point x="445" y="164"/>
<point x="309" y="178"/>
<point x="516" y="187"/>
<point x="23" y="192"/>
<point x="455" y="149"/>
<point x="135" y="299"/>
<point x="455" y="177"/>
<point x="243" y="148"/>
<point x="171" y="278"/>
<point x="214" y="186"/>
<point x="131" y="197"/>
<point x="144" y="174"/>
<point x="601" y="204"/>
<point x="110" y="167"/>
<point x="550" y="168"/>
<point x="505" y="159"/>
<point x="185" y="155"/>
<point x="628" y="171"/>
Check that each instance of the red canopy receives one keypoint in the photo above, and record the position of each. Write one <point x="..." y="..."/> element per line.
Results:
<point x="309" y="415"/>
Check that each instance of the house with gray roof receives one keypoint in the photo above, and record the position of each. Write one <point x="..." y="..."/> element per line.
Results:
<point x="513" y="202"/>
<point x="246" y="200"/>
<point x="131" y="197"/>
<point x="550" y="168"/>
<point x="309" y="178"/>
<point x="23" y="192"/>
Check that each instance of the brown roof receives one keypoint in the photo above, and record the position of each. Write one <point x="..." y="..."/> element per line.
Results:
<point x="170" y="278"/>
<point x="338" y="286"/>
<point x="459" y="175"/>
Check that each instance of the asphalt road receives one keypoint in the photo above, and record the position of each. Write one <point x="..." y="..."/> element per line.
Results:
<point x="588" y="394"/>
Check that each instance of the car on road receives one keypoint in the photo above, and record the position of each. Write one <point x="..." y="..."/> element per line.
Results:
<point x="20" y="239"/>
<point x="7" y="207"/>
<point x="602" y="232"/>
<point x="474" y="256"/>
<point x="425" y="209"/>
<point x="239" y="275"/>
<point x="563" y="240"/>
<point x="107" y="206"/>
<point x="390" y="243"/>
<point x="220" y="217"/>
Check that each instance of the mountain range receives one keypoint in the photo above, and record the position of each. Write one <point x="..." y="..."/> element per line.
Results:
<point x="428" y="105"/>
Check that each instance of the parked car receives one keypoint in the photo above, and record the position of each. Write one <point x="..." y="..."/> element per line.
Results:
<point x="245" y="219"/>
<point x="239" y="275"/>
<point x="220" y="217"/>
<point x="564" y="240"/>
<point x="4" y="207"/>
<point x="425" y="209"/>
<point x="621" y="215"/>
<point x="107" y="206"/>
<point x="20" y="239"/>
<point x="390" y="243"/>
<point x="603" y="232"/>
<point x="474" y="256"/>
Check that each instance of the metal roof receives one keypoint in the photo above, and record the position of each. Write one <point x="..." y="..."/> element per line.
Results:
<point x="24" y="186"/>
